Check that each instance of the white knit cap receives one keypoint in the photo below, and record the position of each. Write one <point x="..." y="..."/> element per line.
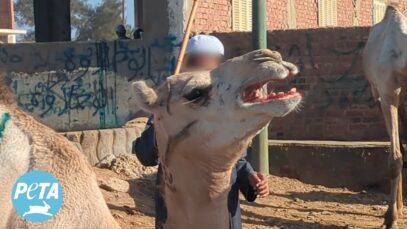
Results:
<point x="205" y="44"/>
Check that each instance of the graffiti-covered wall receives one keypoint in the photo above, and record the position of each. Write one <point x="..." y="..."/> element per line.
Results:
<point x="337" y="101"/>
<point x="85" y="85"/>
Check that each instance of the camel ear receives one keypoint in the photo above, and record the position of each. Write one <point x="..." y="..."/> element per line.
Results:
<point x="146" y="97"/>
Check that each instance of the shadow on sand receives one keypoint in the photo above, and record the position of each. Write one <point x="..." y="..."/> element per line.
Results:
<point x="270" y="221"/>
<point x="344" y="198"/>
<point x="142" y="192"/>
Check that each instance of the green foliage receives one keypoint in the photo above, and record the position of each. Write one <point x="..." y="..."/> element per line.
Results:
<point x="88" y="23"/>
<point x="101" y="22"/>
<point x="24" y="12"/>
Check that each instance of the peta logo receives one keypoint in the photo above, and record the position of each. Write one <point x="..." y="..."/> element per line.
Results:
<point x="37" y="196"/>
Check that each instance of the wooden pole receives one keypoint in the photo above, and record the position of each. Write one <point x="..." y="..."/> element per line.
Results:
<point x="186" y="38"/>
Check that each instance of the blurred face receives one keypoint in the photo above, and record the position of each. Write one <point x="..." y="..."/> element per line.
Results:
<point x="203" y="62"/>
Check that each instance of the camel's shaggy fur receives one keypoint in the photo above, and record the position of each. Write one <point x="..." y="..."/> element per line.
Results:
<point x="27" y="145"/>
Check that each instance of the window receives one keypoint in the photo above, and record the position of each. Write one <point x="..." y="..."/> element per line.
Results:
<point x="242" y="15"/>
<point x="292" y="17"/>
<point x="379" y="10"/>
<point x="327" y="13"/>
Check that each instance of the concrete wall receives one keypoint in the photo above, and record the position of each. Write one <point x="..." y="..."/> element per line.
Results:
<point x="355" y="165"/>
<point x="337" y="103"/>
<point x="74" y="86"/>
<point x="79" y="86"/>
<point x="177" y="12"/>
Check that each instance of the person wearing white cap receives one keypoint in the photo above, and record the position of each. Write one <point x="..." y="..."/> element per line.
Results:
<point x="203" y="52"/>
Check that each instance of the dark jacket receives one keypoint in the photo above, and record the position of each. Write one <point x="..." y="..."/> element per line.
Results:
<point x="146" y="151"/>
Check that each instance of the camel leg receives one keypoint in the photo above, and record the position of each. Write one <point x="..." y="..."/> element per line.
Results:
<point x="403" y="140"/>
<point x="395" y="163"/>
<point x="400" y="200"/>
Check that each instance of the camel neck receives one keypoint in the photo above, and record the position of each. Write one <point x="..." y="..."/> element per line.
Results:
<point x="199" y="193"/>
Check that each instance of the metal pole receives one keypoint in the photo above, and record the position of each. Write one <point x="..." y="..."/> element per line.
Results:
<point x="52" y="20"/>
<point x="260" y="156"/>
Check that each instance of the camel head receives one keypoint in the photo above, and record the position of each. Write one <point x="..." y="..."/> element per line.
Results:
<point x="213" y="110"/>
<point x="204" y="122"/>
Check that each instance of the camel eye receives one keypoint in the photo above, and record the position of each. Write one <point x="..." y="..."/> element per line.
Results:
<point x="194" y="94"/>
<point x="199" y="95"/>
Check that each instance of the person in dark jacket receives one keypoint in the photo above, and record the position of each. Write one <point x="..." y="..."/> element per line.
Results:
<point x="203" y="53"/>
<point x="138" y="34"/>
<point x="121" y="32"/>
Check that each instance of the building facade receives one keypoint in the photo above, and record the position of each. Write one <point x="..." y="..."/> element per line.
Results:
<point x="7" y="26"/>
<point x="6" y="14"/>
<point x="235" y="15"/>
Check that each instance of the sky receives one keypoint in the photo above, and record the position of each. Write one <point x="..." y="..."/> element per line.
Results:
<point x="129" y="14"/>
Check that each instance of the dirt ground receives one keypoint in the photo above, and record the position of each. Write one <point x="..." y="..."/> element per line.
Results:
<point x="292" y="204"/>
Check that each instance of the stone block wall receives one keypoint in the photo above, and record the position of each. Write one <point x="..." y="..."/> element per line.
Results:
<point x="103" y="146"/>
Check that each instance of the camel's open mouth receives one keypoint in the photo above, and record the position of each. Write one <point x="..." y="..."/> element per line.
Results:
<point x="253" y="94"/>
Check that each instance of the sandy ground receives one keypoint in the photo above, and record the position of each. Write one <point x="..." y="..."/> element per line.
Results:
<point x="292" y="204"/>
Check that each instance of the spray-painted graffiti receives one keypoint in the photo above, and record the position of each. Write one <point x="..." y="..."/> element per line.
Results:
<point x="353" y="88"/>
<point x="344" y="88"/>
<point x="139" y="61"/>
<point x="69" y="95"/>
<point x="63" y="92"/>
<point x="153" y="61"/>
<point x="86" y="85"/>
<point x="6" y="58"/>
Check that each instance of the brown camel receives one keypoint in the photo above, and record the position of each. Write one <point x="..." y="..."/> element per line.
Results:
<point x="27" y="145"/>
<point x="385" y="64"/>
<point x="204" y="122"/>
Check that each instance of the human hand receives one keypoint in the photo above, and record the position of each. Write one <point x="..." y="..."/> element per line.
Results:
<point x="260" y="183"/>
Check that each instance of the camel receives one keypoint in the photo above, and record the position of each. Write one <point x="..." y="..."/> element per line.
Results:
<point x="385" y="65"/>
<point x="204" y="122"/>
<point x="27" y="145"/>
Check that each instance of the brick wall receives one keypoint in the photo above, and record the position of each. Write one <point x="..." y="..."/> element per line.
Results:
<point x="346" y="11"/>
<point x="277" y="16"/>
<point x="216" y="15"/>
<point x="337" y="103"/>
<point x="6" y="14"/>
<point x="366" y="16"/>
<point x="307" y="13"/>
